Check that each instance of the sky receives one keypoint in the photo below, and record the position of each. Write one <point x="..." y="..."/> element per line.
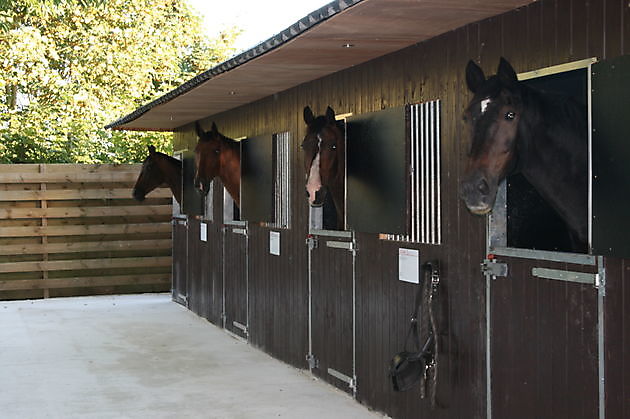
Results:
<point x="259" y="19"/>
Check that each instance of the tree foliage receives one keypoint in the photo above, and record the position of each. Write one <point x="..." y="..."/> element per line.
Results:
<point x="67" y="68"/>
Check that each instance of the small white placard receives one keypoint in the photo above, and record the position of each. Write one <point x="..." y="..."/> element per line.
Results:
<point x="203" y="232"/>
<point x="409" y="265"/>
<point x="274" y="243"/>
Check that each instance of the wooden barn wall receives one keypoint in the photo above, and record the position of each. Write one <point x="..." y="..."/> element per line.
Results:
<point x="546" y="33"/>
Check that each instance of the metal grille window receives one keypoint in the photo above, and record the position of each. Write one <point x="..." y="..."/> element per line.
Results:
<point x="282" y="180"/>
<point x="424" y="168"/>
<point x="177" y="210"/>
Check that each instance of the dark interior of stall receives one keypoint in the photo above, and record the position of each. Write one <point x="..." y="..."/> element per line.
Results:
<point x="531" y="222"/>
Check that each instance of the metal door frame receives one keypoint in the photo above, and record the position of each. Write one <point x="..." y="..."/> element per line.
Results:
<point x="496" y="246"/>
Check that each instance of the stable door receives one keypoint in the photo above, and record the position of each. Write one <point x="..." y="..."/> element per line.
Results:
<point x="332" y="323"/>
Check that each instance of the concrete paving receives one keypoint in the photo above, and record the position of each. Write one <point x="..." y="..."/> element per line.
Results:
<point x="143" y="356"/>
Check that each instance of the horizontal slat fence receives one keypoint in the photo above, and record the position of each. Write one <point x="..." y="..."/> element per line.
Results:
<point x="68" y="229"/>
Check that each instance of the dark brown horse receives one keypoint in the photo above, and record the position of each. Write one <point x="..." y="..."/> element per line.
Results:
<point x="324" y="161"/>
<point x="159" y="169"/>
<point x="518" y="129"/>
<point x="217" y="155"/>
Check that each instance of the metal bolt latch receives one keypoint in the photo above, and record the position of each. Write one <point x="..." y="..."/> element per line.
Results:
<point x="493" y="268"/>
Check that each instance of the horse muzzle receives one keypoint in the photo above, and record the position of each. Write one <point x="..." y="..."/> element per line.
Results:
<point x="138" y="195"/>
<point x="318" y="199"/>
<point x="202" y="186"/>
<point x="478" y="193"/>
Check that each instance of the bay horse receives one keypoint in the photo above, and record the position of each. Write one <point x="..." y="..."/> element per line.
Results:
<point x="158" y="169"/>
<point x="324" y="148"/>
<point x="217" y="155"/>
<point x="518" y="129"/>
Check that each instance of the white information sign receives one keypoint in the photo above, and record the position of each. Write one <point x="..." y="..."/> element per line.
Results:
<point x="203" y="232"/>
<point x="409" y="265"/>
<point x="274" y="243"/>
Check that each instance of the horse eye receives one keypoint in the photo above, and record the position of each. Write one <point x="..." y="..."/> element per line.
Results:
<point x="217" y="151"/>
<point x="510" y="115"/>
<point x="333" y="146"/>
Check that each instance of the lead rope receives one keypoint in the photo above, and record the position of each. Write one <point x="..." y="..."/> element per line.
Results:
<point x="435" y="281"/>
<point x="432" y="281"/>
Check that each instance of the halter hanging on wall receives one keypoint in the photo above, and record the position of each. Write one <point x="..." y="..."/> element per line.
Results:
<point x="409" y="368"/>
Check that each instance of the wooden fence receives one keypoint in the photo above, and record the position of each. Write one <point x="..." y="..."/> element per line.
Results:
<point x="68" y="229"/>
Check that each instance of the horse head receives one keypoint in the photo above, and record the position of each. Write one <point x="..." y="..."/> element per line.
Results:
<point x="324" y="148"/>
<point x="217" y="155"/>
<point x="207" y="157"/>
<point x="150" y="177"/>
<point x="493" y="117"/>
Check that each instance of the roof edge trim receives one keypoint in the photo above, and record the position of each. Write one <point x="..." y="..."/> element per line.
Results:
<point x="312" y="19"/>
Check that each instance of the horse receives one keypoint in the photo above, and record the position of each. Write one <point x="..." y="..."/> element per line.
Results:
<point x="518" y="129"/>
<point x="158" y="169"/>
<point x="217" y="155"/>
<point x="324" y="148"/>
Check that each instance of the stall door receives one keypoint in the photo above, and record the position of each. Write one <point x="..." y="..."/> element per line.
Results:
<point x="331" y="355"/>
<point x="180" y="261"/>
<point x="235" y="280"/>
<point x="543" y="336"/>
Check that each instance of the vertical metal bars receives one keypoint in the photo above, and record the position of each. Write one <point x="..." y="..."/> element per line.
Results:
<point x="425" y="181"/>
<point x="282" y="180"/>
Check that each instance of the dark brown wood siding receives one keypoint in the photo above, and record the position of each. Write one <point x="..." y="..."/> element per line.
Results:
<point x="278" y="296"/>
<point x="617" y="332"/>
<point x="543" y="34"/>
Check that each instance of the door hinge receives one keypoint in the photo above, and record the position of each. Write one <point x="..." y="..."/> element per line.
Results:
<point x="312" y="361"/>
<point x="353" y="384"/>
<point x="494" y="268"/>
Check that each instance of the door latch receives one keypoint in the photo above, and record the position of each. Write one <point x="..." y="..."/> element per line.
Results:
<point x="311" y="242"/>
<point x="493" y="268"/>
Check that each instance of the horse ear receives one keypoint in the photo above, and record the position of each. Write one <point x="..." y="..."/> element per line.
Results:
<point x="506" y="73"/>
<point x="151" y="149"/>
<point x="308" y="115"/>
<point x="200" y="133"/>
<point x="474" y="76"/>
<point x="215" y="130"/>
<point x="330" y="115"/>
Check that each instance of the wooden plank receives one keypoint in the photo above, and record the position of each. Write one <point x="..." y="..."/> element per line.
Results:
<point x="71" y="167"/>
<point x="78" y="247"/>
<point x="69" y="265"/>
<point x="76" y="212"/>
<point x="21" y="177"/>
<point x="91" y="281"/>
<point x="81" y="230"/>
<point x="65" y="194"/>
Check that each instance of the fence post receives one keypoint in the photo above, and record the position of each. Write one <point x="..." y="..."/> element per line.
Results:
<point x="44" y="223"/>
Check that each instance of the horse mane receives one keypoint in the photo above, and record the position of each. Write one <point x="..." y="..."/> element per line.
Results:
<point x="170" y="159"/>
<point x="564" y="110"/>
<point x="320" y="122"/>
<point x="554" y="112"/>
<point x="231" y="143"/>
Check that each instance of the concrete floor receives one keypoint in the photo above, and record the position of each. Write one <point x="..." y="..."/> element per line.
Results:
<point x="143" y="356"/>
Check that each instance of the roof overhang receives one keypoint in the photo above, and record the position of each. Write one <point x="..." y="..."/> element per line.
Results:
<point x="341" y="34"/>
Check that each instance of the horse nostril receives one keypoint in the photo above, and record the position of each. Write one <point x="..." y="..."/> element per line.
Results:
<point x="307" y="194"/>
<point x="483" y="187"/>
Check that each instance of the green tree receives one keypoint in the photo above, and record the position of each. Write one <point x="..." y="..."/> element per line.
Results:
<point x="68" y="67"/>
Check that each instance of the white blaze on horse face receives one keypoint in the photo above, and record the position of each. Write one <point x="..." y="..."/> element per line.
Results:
<point x="314" y="181"/>
<point x="484" y="104"/>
